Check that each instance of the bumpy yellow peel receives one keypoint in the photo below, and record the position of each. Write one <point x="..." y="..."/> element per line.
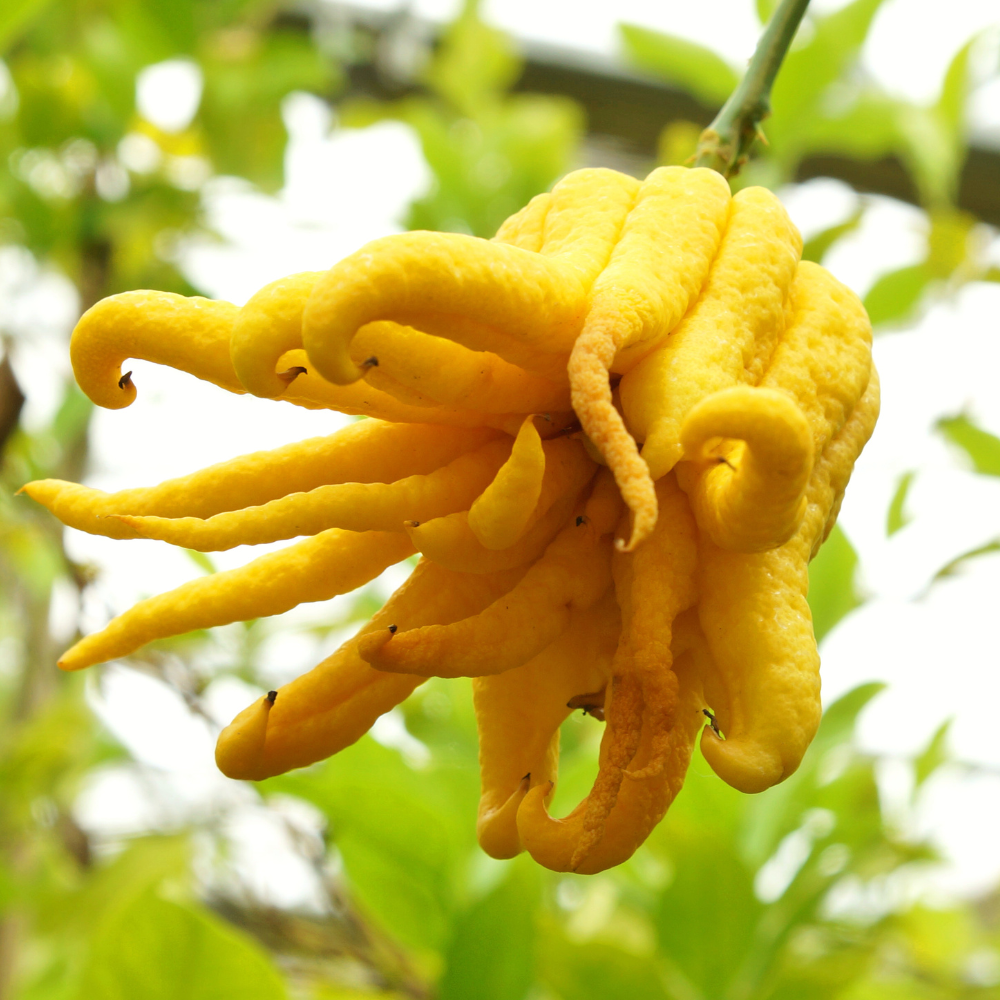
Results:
<point x="617" y="433"/>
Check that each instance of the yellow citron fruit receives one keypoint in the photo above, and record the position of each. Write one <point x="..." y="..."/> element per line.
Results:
<point x="616" y="433"/>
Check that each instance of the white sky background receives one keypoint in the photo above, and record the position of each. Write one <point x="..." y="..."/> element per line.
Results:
<point x="935" y="645"/>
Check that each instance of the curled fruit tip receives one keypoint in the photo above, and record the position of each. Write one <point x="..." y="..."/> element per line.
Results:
<point x="271" y="695"/>
<point x="125" y="381"/>
<point x="392" y="629"/>
<point x="592" y="704"/>
<point x="411" y="524"/>
<point x="371" y="362"/>
<point x="291" y="374"/>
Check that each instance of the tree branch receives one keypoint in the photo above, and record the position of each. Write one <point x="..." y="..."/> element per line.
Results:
<point x="725" y="144"/>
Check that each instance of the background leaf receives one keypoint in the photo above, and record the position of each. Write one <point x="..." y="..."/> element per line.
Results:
<point x="981" y="447"/>
<point x="894" y="296"/>
<point x="684" y="64"/>
<point x="897" y="516"/>
<point x="832" y="590"/>
<point x="155" y="949"/>
<point x="492" y="954"/>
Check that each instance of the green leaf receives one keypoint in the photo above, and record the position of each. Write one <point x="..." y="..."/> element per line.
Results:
<point x="597" y="971"/>
<point x="765" y="8"/>
<point x="895" y="295"/>
<point x="952" y="567"/>
<point x="809" y="69"/>
<point x="897" y="516"/>
<point x="832" y="590"/>
<point x="982" y="447"/>
<point x="708" y="942"/>
<point x="202" y="561"/>
<point x="841" y="717"/>
<point x="401" y="836"/>
<point x="955" y="91"/>
<point x="14" y="15"/>
<point x="815" y="248"/>
<point x="475" y="63"/>
<point x="933" y="755"/>
<point x="492" y="955"/>
<point x="159" y="950"/>
<point x="684" y="64"/>
<point x="866" y="130"/>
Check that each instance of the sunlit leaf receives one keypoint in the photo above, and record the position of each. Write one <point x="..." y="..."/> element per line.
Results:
<point x="954" y="565"/>
<point x="708" y="942"/>
<point x="982" y="448"/>
<point x="897" y="516"/>
<point x="832" y="588"/>
<point x="202" y="561"/>
<point x="765" y="8"/>
<point x="933" y="755"/>
<point x="684" y="64"/>
<point x="841" y="717"/>
<point x="14" y="14"/>
<point x="143" y="866"/>
<point x="492" y="953"/>
<point x="678" y="143"/>
<point x="948" y="240"/>
<point x="399" y="832"/>
<point x="816" y="247"/>
<point x="155" y="949"/>
<point x="954" y="94"/>
<point x="895" y="295"/>
<point x="474" y="64"/>
<point x="596" y="970"/>
<point x="809" y="69"/>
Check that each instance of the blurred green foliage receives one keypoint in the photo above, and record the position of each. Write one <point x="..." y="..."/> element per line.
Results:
<point x="490" y="151"/>
<point x="801" y="893"/>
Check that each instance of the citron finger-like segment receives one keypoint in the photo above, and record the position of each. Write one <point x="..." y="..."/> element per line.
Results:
<point x="662" y="586"/>
<point x="662" y="258"/>
<point x="436" y="371"/>
<point x="370" y="451"/>
<point x="312" y="392"/>
<point x="749" y="458"/>
<point x="500" y="515"/>
<point x="487" y="296"/>
<point x="756" y="620"/>
<point x="824" y="358"/>
<point x="568" y="468"/>
<point x="352" y="506"/>
<point x="398" y="360"/>
<point x="317" y="569"/>
<point x="191" y="334"/>
<point x="573" y="573"/>
<point x="526" y="228"/>
<point x="606" y="431"/>
<point x="519" y="713"/>
<point x="653" y="585"/>
<point x="584" y="218"/>
<point x="639" y="805"/>
<point x="728" y="334"/>
<point x="336" y="702"/>
<point x="450" y="542"/>
<point x="240" y="753"/>
<point x="657" y="268"/>
<point x="266" y="327"/>
<point x="624" y="715"/>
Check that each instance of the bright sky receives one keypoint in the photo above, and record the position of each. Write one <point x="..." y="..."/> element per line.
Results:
<point x="935" y="645"/>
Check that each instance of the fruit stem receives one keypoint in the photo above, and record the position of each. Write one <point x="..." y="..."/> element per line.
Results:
<point x="725" y="144"/>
